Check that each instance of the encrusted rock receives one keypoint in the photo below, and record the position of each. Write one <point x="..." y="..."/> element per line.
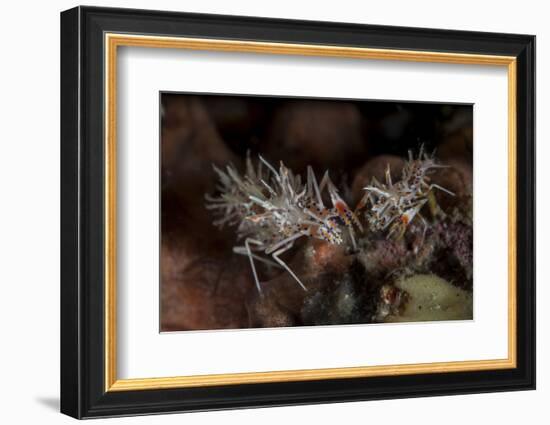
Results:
<point x="381" y="256"/>
<point x="454" y="259"/>
<point x="429" y="298"/>
<point x="202" y="293"/>
<point x="348" y="298"/>
<point x="338" y="291"/>
<point x="456" y="178"/>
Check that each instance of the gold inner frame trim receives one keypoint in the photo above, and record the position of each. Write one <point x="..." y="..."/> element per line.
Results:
<point x="113" y="41"/>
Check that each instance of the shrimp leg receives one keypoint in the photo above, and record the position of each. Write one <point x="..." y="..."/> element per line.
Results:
<point x="441" y="188"/>
<point x="282" y="263"/>
<point x="247" y="243"/>
<point x="284" y="242"/>
<point x="313" y="187"/>
<point x="241" y="250"/>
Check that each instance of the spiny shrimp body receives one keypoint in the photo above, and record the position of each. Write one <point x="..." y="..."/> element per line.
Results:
<point x="392" y="207"/>
<point x="273" y="209"/>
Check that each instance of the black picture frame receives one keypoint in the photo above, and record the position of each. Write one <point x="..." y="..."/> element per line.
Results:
<point x="83" y="392"/>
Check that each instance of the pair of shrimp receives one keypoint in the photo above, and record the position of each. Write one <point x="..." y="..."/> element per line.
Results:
<point x="273" y="210"/>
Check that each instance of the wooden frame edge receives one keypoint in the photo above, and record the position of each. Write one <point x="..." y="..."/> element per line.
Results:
<point x="306" y="375"/>
<point x="114" y="40"/>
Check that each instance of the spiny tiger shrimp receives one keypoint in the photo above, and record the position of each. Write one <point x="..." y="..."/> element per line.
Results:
<point x="272" y="209"/>
<point x="396" y="205"/>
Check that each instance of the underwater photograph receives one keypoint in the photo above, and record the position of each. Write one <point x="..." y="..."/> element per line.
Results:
<point x="282" y="212"/>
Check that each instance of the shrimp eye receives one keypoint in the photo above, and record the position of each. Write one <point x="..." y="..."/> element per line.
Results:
<point x="337" y="220"/>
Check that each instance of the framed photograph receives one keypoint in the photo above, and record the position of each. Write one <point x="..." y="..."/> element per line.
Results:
<point x="261" y="212"/>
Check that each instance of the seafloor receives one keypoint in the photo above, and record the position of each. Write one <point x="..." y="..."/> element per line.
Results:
<point x="416" y="277"/>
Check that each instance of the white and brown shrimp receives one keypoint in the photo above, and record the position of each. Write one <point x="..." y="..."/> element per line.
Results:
<point x="273" y="209"/>
<point x="392" y="207"/>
